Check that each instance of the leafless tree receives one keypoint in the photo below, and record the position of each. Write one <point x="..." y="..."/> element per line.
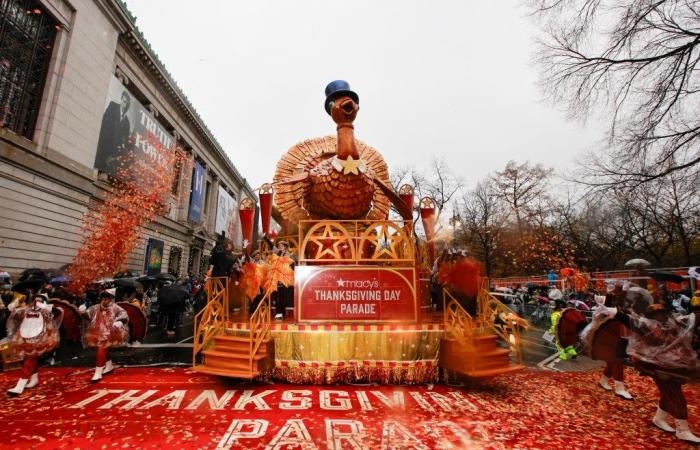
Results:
<point x="483" y="219"/>
<point x="636" y="61"/>
<point x="523" y="187"/>
<point x="438" y="182"/>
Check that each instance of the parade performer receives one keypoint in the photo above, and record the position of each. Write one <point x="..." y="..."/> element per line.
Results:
<point x="564" y="352"/>
<point x="284" y="296"/>
<point x="106" y="328"/>
<point x="660" y="346"/>
<point x="614" y="360"/>
<point x="33" y="331"/>
<point x="695" y="301"/>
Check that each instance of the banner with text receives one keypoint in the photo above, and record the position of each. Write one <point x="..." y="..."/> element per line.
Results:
<point x="131" y="139"/>
<point x="352" y="294"/>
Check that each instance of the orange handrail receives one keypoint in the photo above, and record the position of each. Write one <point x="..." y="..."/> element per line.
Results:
<point x="260" y="324"/>
<point x="500" y="318"/>
<point x="211" y="321"/>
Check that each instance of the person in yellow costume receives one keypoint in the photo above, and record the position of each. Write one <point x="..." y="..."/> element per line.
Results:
<point x="564" y="353"/>
<point x="695" y="301"/>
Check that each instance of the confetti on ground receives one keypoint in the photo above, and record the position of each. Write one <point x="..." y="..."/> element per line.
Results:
<point x="177" y="408"/>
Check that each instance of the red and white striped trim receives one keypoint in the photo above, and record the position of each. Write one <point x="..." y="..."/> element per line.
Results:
<point x="359" y="328"/>
<point x="427" y="363"/>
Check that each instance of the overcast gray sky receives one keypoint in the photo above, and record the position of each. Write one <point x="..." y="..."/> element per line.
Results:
<point x="451" y="79"/>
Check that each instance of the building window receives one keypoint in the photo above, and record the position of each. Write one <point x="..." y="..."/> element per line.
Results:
<point x="27" y="35"/>
<point x="174" y="261"/>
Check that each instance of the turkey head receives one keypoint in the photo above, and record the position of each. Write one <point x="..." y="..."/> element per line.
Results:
<point x="342" y="187"/>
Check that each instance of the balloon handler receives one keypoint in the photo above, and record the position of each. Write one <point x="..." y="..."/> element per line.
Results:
<point x="564" y="352"/>
<point x="33" y="331"/>
<point x="105" y="327"/>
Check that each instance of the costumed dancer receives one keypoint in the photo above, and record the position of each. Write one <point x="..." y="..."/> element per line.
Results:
<point x="661" y="346"/>
<point x="564" y="352"/>
<point x="695" y="301"/>
<point x="615" y="367"/>
<point x="106" y="328"/>
<point x="285" y="295"/>
<point x="33" y="331"/>
<point x="257" y="259"/>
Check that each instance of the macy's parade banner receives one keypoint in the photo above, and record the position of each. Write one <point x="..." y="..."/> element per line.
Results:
<point x="347" y="294"/>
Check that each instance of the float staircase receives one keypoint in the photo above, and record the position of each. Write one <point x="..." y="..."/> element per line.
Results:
<point x="248" y="354"/>
<point x="230" y="357"/>
<point x="471" y="345"/>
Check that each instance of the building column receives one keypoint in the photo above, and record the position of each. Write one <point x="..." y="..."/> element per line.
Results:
<point x="185" y="191"/>
<point x="211" y="207"/>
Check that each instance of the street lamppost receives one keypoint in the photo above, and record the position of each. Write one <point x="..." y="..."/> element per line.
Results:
<point x="455" y="221"/>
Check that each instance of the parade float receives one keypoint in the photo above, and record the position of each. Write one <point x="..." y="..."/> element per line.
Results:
<point x="361" y="281"/>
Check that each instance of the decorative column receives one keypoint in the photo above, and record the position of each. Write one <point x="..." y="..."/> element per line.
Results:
<point x="185" y="186"/>
<point x="265" y="195"/>
<point x="247" y="214"/>
<point x="427" y="215"/>
<point x="406" y="194"/>
<point x="211" y="207"/>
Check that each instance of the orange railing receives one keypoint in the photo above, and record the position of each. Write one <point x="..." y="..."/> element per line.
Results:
<point x="592" y="278"/>
<point x="505" y="322"/>
<point x="260" y="322"/>
<point x="211" y="321"/>
<point x="459" y="323"/>
<point x="382" y="242"/>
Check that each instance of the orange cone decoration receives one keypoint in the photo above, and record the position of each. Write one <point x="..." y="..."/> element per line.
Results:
<point x="266" y="193"/>
<point x="406" y="193"/>
<point x="427" y="215"/>
<point x="247" y="214"/>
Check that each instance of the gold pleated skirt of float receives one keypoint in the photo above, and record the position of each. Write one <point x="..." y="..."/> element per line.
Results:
<point x="345" y="353"/>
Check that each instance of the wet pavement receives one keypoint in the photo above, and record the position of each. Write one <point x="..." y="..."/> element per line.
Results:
<point x="156" y="349"/>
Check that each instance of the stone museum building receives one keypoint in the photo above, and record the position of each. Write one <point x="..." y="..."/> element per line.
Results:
<point x="77" y="80"/>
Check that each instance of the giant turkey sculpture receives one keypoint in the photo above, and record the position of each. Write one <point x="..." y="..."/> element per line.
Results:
<point x="335" y="177"/>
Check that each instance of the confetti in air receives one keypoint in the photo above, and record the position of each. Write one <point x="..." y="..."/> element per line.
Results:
<point x="139" y="192"/>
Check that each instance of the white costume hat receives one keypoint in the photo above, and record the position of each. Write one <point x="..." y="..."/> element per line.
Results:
<point x="694" y="272"/>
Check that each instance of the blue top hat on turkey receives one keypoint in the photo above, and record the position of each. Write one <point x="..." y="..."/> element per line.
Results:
<point x="337" y="89"/>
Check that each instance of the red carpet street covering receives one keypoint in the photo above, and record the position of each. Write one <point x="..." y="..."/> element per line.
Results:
<point x="176" y="408"/>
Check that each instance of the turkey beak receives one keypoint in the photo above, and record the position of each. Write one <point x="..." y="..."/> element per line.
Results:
<point x="348" y="106"/>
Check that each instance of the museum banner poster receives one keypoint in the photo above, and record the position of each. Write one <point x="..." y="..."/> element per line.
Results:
<point x="131" y="139"/>
<point x="198" y="182"/>
<point x="154" y="256"/>
<point x="355" y="294"/>
<point x="227" y="219"/>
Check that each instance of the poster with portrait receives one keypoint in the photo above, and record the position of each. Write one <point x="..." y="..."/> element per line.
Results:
<point x="131" y="141"/>
<point x="154" y="256"/>
<point x="198" y="179"/>
<point x="227" y="219"/>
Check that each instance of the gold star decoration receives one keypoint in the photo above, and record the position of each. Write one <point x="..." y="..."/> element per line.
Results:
<point x="349" y="165"/>
<point x="385" y="242"/>
<point x="328" y="243"/>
